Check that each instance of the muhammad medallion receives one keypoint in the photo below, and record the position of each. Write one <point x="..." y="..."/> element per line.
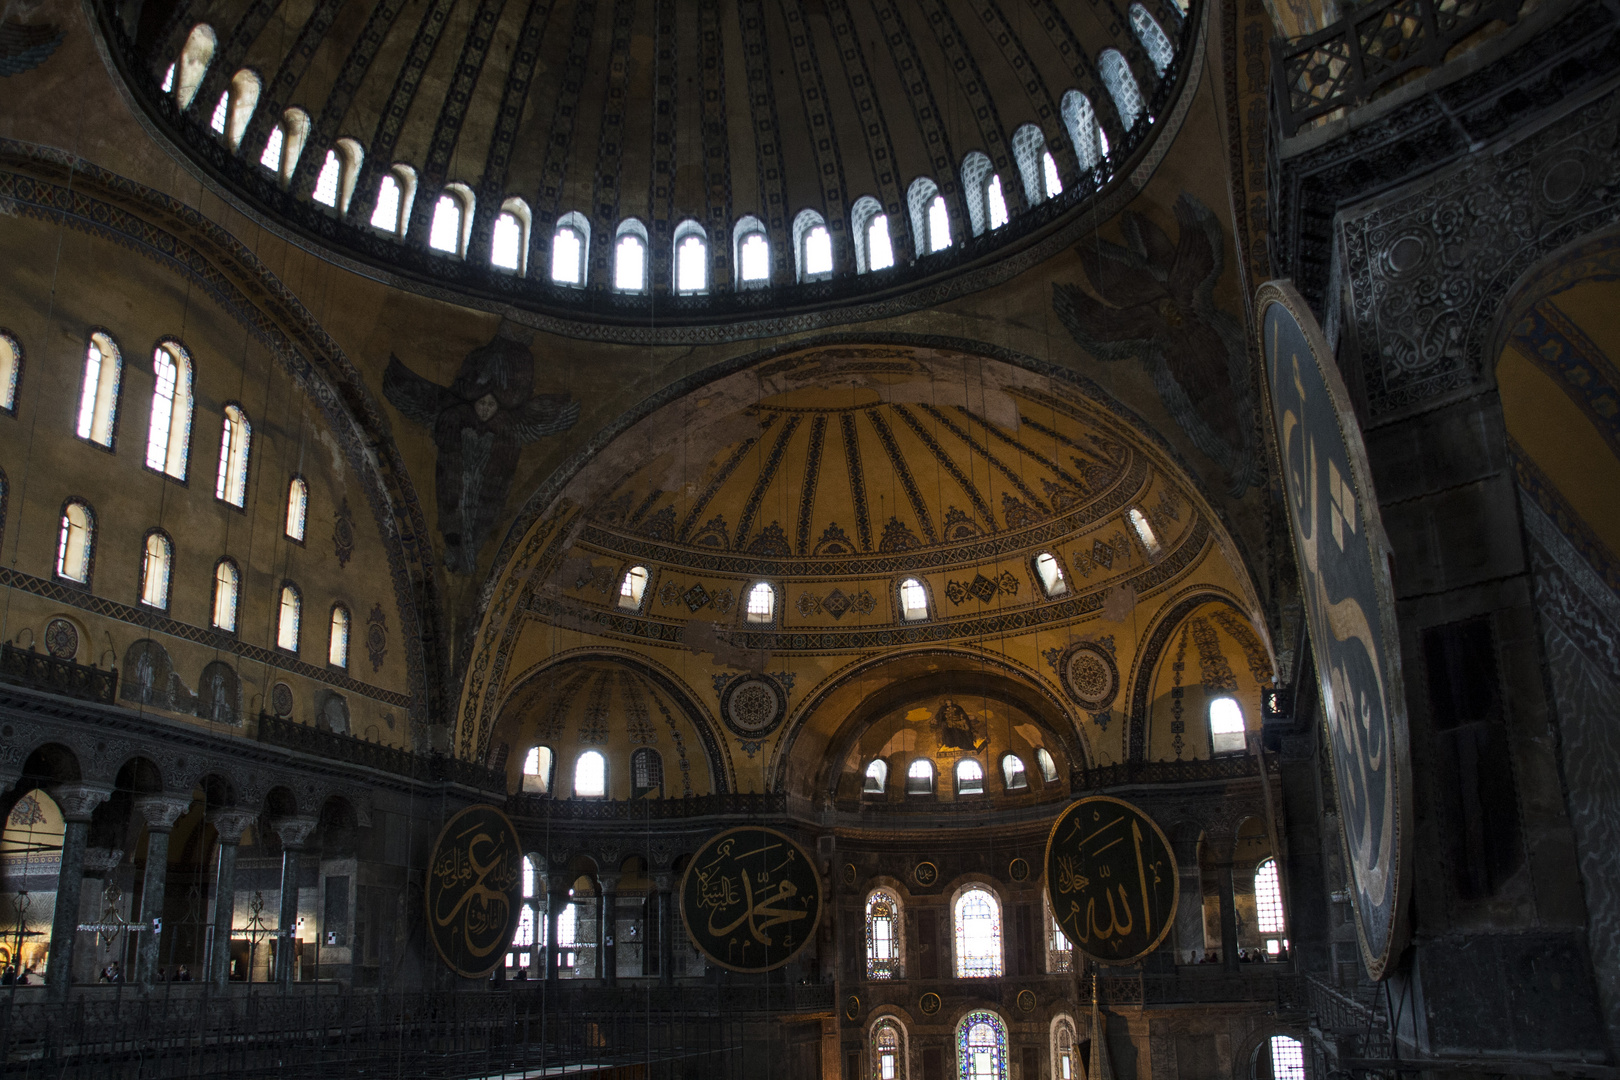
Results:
<point x="473" y="888"/>
<point x="1111" y="879"/>
<point x="1344" y="569"/>
<point x="751" y="899"/>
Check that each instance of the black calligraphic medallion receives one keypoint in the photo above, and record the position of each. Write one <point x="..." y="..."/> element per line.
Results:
<point x="751" y="899"/>
<point x="473" y="890"/>
<point x="1344" y="572"/>
<point x="1111" y="878"/>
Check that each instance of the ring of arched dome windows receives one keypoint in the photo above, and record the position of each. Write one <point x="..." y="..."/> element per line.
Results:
<point x="11" y="371"/>
<point x="812" y="247"/>
<point x="871" y="235"/>
<point x="396" y="194"/>
<point x="339" y="172"/>
<point x="630" y="262"/>
<point x="1122" y="88"/>
<point x="690" y="251"/>
<point x="195" y="56"/>
<point x="1080" y="121"/>
<point x="509" y="237"/>
<point x="981" y="188"/>
<point x="913" y="601"/>
<point x="570" y="251"/>
<point x="751" y="253"/>
<point x="284" y="144"/>
<point x="450" y="227"/>
<point x="930" y="217"/>
<point x="1030" y="155"/>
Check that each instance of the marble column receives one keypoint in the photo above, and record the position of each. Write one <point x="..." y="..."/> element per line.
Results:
<point x="666" y="930"/>
<point x="293" y="831"/>
<point x="160" y="812"/>
<point x="1229" y="934"/>
<point x="555" y="900"/>
<point x="229" y="824"/>
<point x="77" y="802"/>
<point x="607" y="923"/>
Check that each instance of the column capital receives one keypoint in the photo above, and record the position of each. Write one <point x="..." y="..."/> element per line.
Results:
<point x="99" y="862"/>
<point x="609" y="882"/>
<point x="230" y="822"/>
<point x="663" y="882"/>
<point x="79" y="800"/>
<point x="162" y="811"/>
<point x="293" y="830"/>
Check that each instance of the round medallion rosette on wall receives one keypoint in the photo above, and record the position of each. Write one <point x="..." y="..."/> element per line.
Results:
<point x="1090" y="676"/>
<point x="752" y="706"/>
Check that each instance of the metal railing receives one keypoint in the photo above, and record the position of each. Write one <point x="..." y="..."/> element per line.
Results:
<point x="1284" y="990"/>
<point x="730" y="804"/>
<point x="291" y="735"/>
<point x="1377" y="43"/>
<point x="1236" y="767"/>
<point x="41" y="671"/>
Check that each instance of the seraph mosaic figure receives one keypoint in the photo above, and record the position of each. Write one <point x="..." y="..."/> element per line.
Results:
<point x="480" y="424"/>
<point x="1157" y="306"/>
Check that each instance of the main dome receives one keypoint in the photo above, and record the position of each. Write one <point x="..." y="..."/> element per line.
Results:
<point x="966" y="130"/>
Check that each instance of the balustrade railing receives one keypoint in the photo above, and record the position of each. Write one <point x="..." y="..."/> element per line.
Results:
<point x="528" y="804"/>
<point x="1375" y="44"/>
<point x="1236" y="767"/>
<point x="291" y="735"/>
<point x="1248" y="986"/>
<point x="41" y="671"/>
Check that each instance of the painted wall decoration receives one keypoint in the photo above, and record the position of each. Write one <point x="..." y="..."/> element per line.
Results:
<point x="751" y="899"/>
<point x="473" y="890"/>
<point x="1157" y="306"/>
<point x="480" y="424"/>
<point x="1111" y="879"/>
<point x="1090" y="675"/>
<point x="1343" y="558"/>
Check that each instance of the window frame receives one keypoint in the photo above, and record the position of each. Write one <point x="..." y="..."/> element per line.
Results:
<point x="900" y="607"/>
<point x="685" y="231"/>
<point x="805" y="222"/>
<point x="959" y="958"/>
<point x="892" y="968"/>
<point x="888" y="1022"/>
<point x="919" y="198"/>
<point x="113" y="391"/>
<point x="12" y="344"/>
<point x="1065" y="1022"/>
<point x="911" y="777"/>
<point x="196" y="57"/>
<point x="467" y="203"/>
<point x="145" y="568"/>
<point x="1043" y="758"/>
<point x="646" y="753"/>
<point x="1278" y="933"/>
<point x="959" y="780"/>
<point x="749" y="616"/>
<point x="236" y="597"/>
<point x="244" y="90"/>
<point x="882" y="778"/>
<point x="89" y="545"/>
<point x="296" y="649"/>
<point x="606" y="784"/>
<point x="184" y="390"/>
<point x="747" y="226"/>
<point x="1002" y="1048"/>
<point x="633" y="227"/>
<point x="296" y="480"/>
<point x="1052" y="591"/>
<point x="520" y="212"/>
<point x="1242" y="732"/>
<point x="339" y="607"/>
<point x="581" y="227"/>
<point x="1023" y="773"/>
<point x="866" y="210"/>
<point x="545" y="773"/>
<point x="226" y="450"/>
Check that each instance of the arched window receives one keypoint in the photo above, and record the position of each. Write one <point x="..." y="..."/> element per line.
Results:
<point x="1116" y="75"/>
<point x="222" y="108"/>
<point x="883" y="935"/>
<point x="285" y="144"/>
<point x="1153" y="39"/>
<point x="167" y="85"/>
<point x="761" y="603"/>
<point x="98" y="395"/>
<point x="334" y="186"/>
<point x="1059" y="952"/>
<point x="590" y="775"/>
<point x="168" y="438"/>
<point x="1065" y="1062"/>
<point x="396" y="191"/>
<point x="1268" y="908"/>
<point x="1028" y="144"/>
<point x="287" y="617"/>
<point x="1044" y="762"/>
<point x="632" y="588"/>
<point x="913" y="600"/>
<point x="1144" y="533"/>
<point x="1013" y="774"/>
<point x="537" y="770"/>
<point x="752" y="252"/>
<point x="812" y="246"/>
<point x="157" y="563"/>
<point x="297" y="508"/>
<point x="235" y="443"/>
<point x="1287" y="1058"/>
<point x="11" y="361"/>
<point x="1049" y="174"/>
<point x="930" y="222"/>
<point x="337" y="642"/>
<point x="244" y="98"/>
<point x="452" y="219"/>
<point x="75" y="542"/>
<point x="227" y="587"/>
<point x="888" y="1051"/>
<point x="977" y="918"/>
<point x="1081" y="124"/>
<point x="981" y="1047"/>
<point x="1050" y="571"/>
<point x="509" y="241"/>
<point x="630" y="257"/>
<point x="329" y="180"/>
<point x="195" y="56"/>
<point x="920" y="777"/>
<point x="870" y="228"/>
<point x="569" y="243"/>
<point x="969" y="777"/>
<point x="691" y="258"/>
<point x="877" y="777"/>
<point x="646" y="773"/>
<point x="1226" y="734"/>
<point x="987" y="209"/>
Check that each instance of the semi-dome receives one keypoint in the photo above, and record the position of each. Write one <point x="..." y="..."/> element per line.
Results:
<point x="617" y="162"/>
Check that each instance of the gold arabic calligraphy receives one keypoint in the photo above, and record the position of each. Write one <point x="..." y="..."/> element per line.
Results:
<point x="754" y="896"/>
<point x="473" y="879"/>
<point x="1110" y="880"/>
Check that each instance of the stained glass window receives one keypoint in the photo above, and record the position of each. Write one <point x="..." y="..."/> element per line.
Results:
<point x="882" y="936"/>
<point x="887" y="1059"/>
<point x="1059" y="953"/>
<point x="978" y="935"/>
<point x="981" y="1047"/>
<point x="1064" y="1063"/>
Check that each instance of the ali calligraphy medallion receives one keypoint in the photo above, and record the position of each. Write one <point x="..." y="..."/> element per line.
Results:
<point x="751" y="899"/>
<point x="473" y="888"/>
<point x="1343" y="559"/>
<point x="1111" y="878"/>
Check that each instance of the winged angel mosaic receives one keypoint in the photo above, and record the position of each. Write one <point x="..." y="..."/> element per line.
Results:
<point x="480" y="423"/>
<point x="1155" y="304"/>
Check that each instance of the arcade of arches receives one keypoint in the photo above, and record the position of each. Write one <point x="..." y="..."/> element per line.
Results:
<point x="842" y="416"/>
